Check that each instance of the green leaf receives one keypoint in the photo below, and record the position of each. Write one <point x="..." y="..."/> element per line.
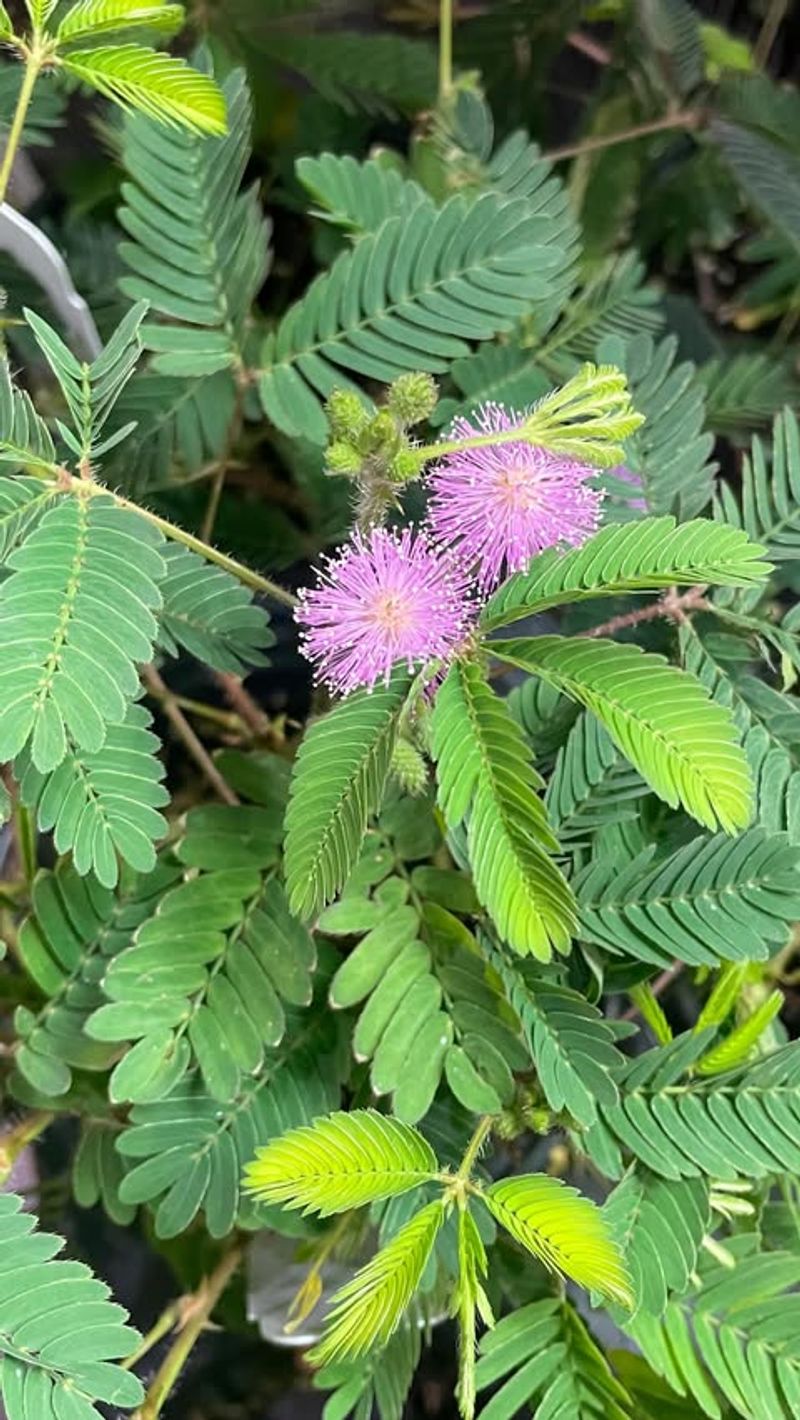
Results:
<point x="382" y="1379"/>
<point x="98" y="1170"/>
<point x="6" y="27"/>
<point x="587" y="418"/>
<point x="592" y="787"/>
<point x="188" y="1151"/>
<point x="341" y="1162"/>
<point x="40" y="11"/>
<point x="75" y="928"/>
<point x="104" y="802"/>
<point x="165" y="88"/>
<point x="770" y="499"/>
<point x="356" y="196"/>
<point x="741" y="1125"/>
<point x="768" y="172"/>
<point x="57" y="1360"/>
<point x="367" y="1310"/>
<point x="659" y="1228"/>
<point x="543" y="1354"/>
<point x="382" y="73"/>
<point x="737" y="1047"/>
<point x="729" y="1335"/>
<point x="76" y="612"/>
<point x="208" y="613"/>
<point x="99" y="17"/>
<point x="338" y="781"/>
<point x="661" y="718"/>
<point x="199" y="245"/>
<point x="24" y="437"/>
<point x="563" y="1229"/>
<point x="408" y="297"/>
<point x="485" y="773"/>
<point x="644" y="556"/>
<point x="712" y="900"/>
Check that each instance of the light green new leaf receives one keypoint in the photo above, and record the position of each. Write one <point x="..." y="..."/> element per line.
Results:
<point x="338" y="781"/>
<point x="563" y="1229"/>
<point x="341" y="1162"/>
<point x="485" y="774"/>
<point x="737" y="1047"/>
<point x="40" y="11"/>
<point x="6" y="27"/>
<point x="663" y="720"/>
<point x="630" y="557"/>
<point x="367" y="1310"/>
<point x="101" y="17"/>
<point x="166" y="88"/>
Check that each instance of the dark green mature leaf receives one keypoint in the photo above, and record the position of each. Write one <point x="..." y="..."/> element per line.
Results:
<point x="56" y="1359"/>
<point x="408" y="297"/>
<point x="659" y="1227"/>
<point x="209" y="613"/>
<point x="770" y="500"/>
<point x="714" y="899"/>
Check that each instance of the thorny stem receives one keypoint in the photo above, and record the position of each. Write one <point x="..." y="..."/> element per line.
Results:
<point x="168" y="1318"/>
<point x="196" y="1312"/>
<point x="671" y="605"/>
<point x="161" y="691"/>
<point x="33" y="65"/>
<point x="243" y="574"/>
<point x="684" y="118"/>
<point x="445" y="49"/>
<point x="474" y="1147"/>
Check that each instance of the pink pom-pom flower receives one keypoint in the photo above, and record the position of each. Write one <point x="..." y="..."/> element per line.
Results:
<point x="500" y="504"/>
<point x="388" y="597"/>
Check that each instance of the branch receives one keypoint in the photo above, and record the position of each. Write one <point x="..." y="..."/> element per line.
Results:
<point x="158" y="688"/>
<point x="671" y="605"/>
<point x="196" y="1312"/>
<point x="685" y="118"/>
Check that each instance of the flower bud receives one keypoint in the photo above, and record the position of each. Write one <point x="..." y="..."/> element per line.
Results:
<point x="412" y="398"/>
<point x="405" y="466"/>
<point x="343" y="458"/>
<point x="346" y="414"/>
<point x="409" y="768"/>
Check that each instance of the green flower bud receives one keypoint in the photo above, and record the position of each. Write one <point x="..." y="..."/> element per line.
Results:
<point x="405" y="466"/>
<point x="346" y="414"/>
<point x="409" y="768"/>
<point x="412" y="398"/>
<point x="343" y="458"/>
<point x="381" y="434"/>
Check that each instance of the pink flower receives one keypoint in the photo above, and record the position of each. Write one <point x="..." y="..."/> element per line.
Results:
<point x="387" y="597"/>
<point x="501" y="504"/>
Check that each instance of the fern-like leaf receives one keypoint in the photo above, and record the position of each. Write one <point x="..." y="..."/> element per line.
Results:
<point x="59" y="1332"/>
<point x="379" y="1381"/>
<point x="89" y="18"/>
<point x="104" y="802"/>
<point x="367" y="1311"/>
<point x="160" y="85"/>
<point x="77" y="611"/>
<point x="712" y="900"/>
<point x="680" y="741"/>
<point x="659" y="1228"/>
<point x="408" y="297"/>
<point x="338" y="782"/>
<point x="357" y="196"/>
<point x="209" y="614"/>
<point x="24" y="436"/>
<point x="591" y="786"/>
<point x="637" y="557"/>
<point x="485" y="775"/>
<point x="341" y="1162"/>
<point x="563" y="1229"/>
<point x="198" y="252"/>
<point x="770" y="504"/>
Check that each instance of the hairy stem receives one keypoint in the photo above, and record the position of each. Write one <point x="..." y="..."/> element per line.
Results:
<point x="445" y="49"/>
<point x="33" y="65"/>
<point x="671" y="605"/>
<point x="474" y="1146"/>
<point x="196" y="1312"/>
<point x="161" y="691"/>
<point x="684" y="118"/>
<point x="15" y="1140"/>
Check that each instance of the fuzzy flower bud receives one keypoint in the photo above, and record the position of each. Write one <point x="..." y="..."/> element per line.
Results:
<point x="343" y="458"/>
<point x="409" y="768"/>
<point x="412" y="398"/>
<point x="346" y="414"/>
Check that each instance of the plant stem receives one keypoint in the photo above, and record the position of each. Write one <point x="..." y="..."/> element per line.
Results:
<point x="33" y="64"/>
<point x="15" y="1140"/>
<point x="474" y="1146"/>
<point x="168" y="1318"/>
<point x="685" y="118"/>
<point x="212" y="507"/>
<point x="769" y="31"/>
<point x="445" y="49"/>
<point x="26" y="841"/>
<point x="158" y="688"/>
<point x="196" y="1315"/>
<point x="671" y="605"/>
